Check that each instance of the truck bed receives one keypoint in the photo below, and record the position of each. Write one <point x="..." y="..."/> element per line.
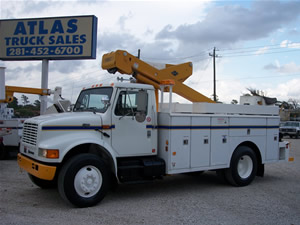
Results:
<point x="203" y="136"/>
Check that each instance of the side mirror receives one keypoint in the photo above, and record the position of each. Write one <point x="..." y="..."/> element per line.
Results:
<point x="105" y="101"/>
<point x="142" y="103"/>
<point x="70" y="108"/>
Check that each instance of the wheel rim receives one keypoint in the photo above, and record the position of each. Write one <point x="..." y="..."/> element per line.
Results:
<point x="88" y="181"/>
<point x="245" y="166"/>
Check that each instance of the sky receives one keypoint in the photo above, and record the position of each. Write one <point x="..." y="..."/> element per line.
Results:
<point x="257" y="43"/>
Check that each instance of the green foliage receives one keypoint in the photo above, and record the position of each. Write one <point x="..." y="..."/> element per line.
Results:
<point x="26" y="110"/>
<point x="25" y="99"/>
<point x="234" y="102"/>
<point x="13" y="104"/>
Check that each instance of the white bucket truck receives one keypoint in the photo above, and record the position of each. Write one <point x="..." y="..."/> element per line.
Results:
<point x="10" y="127"/>
<point x="117" y="132"/>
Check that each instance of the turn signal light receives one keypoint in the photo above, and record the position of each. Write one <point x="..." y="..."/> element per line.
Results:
<point x="51" y="153"/>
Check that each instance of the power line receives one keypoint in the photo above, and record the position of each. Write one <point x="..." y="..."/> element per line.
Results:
<point x="259" y="54"/>
<point x="202" y="53"/>
<point x="258" y="77"/>
<point x="262" y="46"/>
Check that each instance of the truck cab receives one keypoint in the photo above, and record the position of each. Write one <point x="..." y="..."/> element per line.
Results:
<point x="113" y="123"/>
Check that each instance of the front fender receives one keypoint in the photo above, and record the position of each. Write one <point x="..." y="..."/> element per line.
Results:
<point x="69" y="140"/>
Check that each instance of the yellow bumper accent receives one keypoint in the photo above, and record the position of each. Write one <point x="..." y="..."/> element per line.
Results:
<point x="36" y="169"/>
<point x="291" y="159"/>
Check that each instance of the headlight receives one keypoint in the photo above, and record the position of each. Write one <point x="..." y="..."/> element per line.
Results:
<point x="49" y="153"/>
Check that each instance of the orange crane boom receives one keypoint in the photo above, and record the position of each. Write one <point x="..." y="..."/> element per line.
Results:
<point x="10" y="90"/>
<point x="123" y="62"/>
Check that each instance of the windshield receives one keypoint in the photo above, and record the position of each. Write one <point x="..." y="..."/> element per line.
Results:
<point x="95" y="100"/>
<point x="291" y="124"/>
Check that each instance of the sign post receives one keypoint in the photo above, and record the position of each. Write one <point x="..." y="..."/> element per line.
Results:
<point x="55" y="38"/>
<point x="44" y="84"/>
<point x="2" y="83"/>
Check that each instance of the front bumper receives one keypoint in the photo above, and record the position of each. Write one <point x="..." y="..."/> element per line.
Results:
<point x="36" y="169"/>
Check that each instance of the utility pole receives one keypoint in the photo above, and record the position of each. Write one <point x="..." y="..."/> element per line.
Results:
<point x="139" y="54"/>
<point x="214" y="71"/>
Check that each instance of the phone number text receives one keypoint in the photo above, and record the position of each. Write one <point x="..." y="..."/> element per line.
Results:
<point x="45" y="51"/>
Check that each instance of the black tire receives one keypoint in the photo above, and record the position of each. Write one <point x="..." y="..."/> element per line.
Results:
<point x="83" y="180"/>
<point x="297" y="135"/>
<point x="45" y="184"/>
<point x="3" y="152"/>
<point x="221" y="176"/>
<point x="280" y="136"/>
<point x="195" y="174"/>
<point x="243" y="167"/>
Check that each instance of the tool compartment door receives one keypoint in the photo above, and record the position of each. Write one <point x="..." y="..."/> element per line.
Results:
<point x="219" y="141"/>
<point x="200" y="141"/>
<point x="180" y="142"/>
<point x="272" y="153"/>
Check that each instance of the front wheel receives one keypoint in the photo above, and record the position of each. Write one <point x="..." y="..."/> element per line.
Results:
<point x="243" y="167"/>
<point x="45" y="184"/>
<point x="3" y="152"/>
<point x="83" y="180"/>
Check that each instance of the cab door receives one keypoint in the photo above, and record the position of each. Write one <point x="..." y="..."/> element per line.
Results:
<point x="131" y="136"/>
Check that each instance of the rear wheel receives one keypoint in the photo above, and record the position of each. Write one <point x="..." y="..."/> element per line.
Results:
<point x="243" y="167"/>
<point x="221" y="175"/>
<point x="83" y="180"/>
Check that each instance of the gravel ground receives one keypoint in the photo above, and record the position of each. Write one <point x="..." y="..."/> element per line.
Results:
<point x="178" y="199"/>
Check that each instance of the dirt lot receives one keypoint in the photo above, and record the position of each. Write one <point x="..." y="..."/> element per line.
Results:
<point x="180" y="199"/>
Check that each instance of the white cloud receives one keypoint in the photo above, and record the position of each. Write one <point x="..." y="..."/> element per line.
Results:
<point x="284" y="44"/>
<point x="289" y="68"/>
<point x="289" y="44"/>
<point x="284" y="91"/>
<point x="235" y="23"/>
<point x="294" y="45"/>
<point x="262" y="51"/>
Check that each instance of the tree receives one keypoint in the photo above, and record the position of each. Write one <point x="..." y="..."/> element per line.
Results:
<point x="37" y="104"/>
<point x="13" y="104"/>
<point x="25" y="109"/>
<point x="255" y="92"/>
<point x="234" y="102"/>
<point x="294" y="103"/>
<point x="285" y="105"/>
<point x="25" y="99"/>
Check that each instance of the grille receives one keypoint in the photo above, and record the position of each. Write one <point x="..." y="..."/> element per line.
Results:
<point x="288" y="130"/>
<point x="30" y="131"/>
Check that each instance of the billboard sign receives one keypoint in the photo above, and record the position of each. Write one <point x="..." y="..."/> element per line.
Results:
<point x="48" y="38"/>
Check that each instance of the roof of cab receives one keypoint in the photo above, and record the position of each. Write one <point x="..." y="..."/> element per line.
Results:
<point x="122" y="85"/>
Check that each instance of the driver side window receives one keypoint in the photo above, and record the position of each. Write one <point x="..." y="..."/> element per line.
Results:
<point x="126" y="103"/>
